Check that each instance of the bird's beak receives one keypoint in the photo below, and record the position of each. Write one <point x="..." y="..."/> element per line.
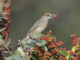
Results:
<point x="54" y="15"/>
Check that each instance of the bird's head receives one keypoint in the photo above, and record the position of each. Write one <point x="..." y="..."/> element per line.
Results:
<point x="49" y="16"/>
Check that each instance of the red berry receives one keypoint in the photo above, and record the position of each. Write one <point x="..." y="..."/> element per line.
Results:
<point x="78" y="39"/>
<point x="47" y="38"/>
<point x="42" y="38"/>
<point x="78" y="47"/>
<point x="74" y="40"/>
<point x="27" y="50"/>
<point x="53" y="51"/>
<point x="60" y="48"/>
<point x="54" y="39"/>
<point x="61" y="58"/>
<point x="61" y="42"/>
<point x="64" y="48"/>
<point x="54" y="47"/>
<point x="65" y="59"/>
<point x="36" y="53"/>
<point x="56" y="56"/>
<point x="55" y="15"/>
<point x="35" y="49"/>
<point x="57" y="44"/>
<point x="76" y="57"/>
<point x="47" y="56"/>
<point x="4" y="33"/>
<point x="74" y="43"/>
<point x="51" y="44"/>
<point x="71" y="53"/>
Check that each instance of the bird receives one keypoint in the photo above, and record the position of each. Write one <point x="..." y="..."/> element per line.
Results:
<point x="40" y="25"/>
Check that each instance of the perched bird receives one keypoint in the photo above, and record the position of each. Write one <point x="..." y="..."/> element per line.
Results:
<point x="41" y="24"/>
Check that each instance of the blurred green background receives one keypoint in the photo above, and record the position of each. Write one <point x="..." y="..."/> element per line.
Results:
<point x="25" y="12"/>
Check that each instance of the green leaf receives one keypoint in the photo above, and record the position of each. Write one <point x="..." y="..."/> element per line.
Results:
<point x="27" y="44"/>
<point x="17" y="57"/>
<point x="36" y="35"/>
<point x="0" y="19"/>
<point x="20" y="49"/>
<point x="31" y="49"/>
<point x="1" y="36"/>
<point x="68" y="57"/>
<point x="1" y="8"/>
<point x="17" y="53"/>
<point x="64" y="53"/>
<point x="2" y="29"/>
<point x="40" y="42"/>
<point x="26" y="57"/>
<point x="77" y="51"/>
<point x="9" y="58"/>
<point x="1" y="41"/>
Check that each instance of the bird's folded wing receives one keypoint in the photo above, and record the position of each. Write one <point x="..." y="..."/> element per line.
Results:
<point x="35" y="26"/>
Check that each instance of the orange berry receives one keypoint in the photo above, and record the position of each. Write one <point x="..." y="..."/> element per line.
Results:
<point x="35" y="48"/>
<point x="40" y="54"/>
<point x="42" y="49"/>
<point x="50" y="54"/>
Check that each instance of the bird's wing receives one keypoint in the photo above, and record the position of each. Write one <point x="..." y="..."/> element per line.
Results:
<point x="37" y="24"/>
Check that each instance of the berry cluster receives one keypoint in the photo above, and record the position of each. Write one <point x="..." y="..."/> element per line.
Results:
<point x="53" y="49"/>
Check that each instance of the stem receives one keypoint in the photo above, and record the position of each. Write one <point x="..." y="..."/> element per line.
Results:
<point x="20" y="43"/>
<point x="8" y="50"/>
<point x="6" y="46"/>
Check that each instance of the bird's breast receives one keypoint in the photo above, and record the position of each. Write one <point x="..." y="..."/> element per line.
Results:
<point x="41" y="28"/>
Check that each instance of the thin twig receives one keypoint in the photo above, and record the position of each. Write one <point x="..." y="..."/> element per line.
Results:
<point x="20" y="43"/>
<point x="6" y="46"/>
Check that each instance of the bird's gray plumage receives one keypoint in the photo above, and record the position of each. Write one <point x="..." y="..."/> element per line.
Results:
<point x="41" y="23"/>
